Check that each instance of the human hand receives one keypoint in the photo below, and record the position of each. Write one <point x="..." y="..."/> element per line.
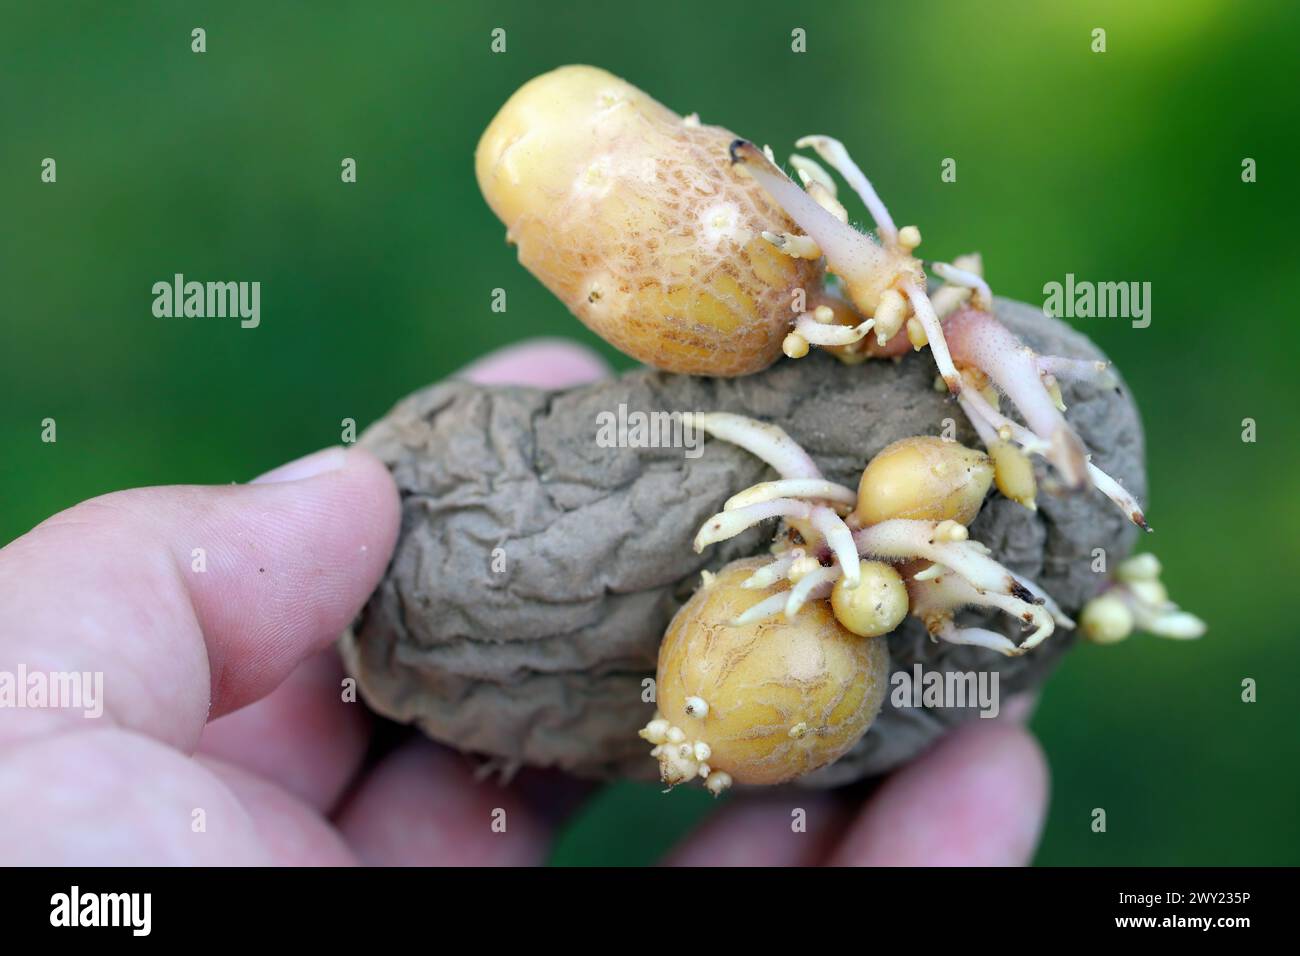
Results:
<point x="224" y="738"/>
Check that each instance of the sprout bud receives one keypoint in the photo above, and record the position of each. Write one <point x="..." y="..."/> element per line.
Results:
<point x="656" y="731"/>
<point x="909" y="237"/>
<point x="916" y="334"/>
<point x="949" y="531"/>
<point x="1013" y="473"/>
<point x="801" y="567"/>
<point x="1106" y="619"/>
<point x="795" y="345"/>
<point x="1140" y="567"/>
<point x="1151" y="593"/>
<point x="1137" y="600"/>
<point x="717" y="782"/>
<point x="889" y="315"/>
<point x="697" y="707"/>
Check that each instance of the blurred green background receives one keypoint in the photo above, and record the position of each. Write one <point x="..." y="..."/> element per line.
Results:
<point x="1117" y="166"/>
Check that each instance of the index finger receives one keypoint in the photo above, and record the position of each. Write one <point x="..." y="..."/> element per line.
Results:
<point x="191" y="601"/>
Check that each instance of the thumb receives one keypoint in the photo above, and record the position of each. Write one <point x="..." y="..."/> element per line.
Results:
<point x="192" y="601"/>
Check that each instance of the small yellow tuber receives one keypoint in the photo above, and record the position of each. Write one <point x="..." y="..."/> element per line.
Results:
<point x="876" y="605"/>
<point x="635" y="218"/>
<point x="764" y="702"/>
<point x="924" y="478"/>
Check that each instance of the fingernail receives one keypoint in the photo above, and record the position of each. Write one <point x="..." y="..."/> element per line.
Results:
<point x="317" y="463"/>
<point x="541" y="363"/>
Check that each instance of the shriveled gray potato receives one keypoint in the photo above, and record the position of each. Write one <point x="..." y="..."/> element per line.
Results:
<point x="536" y="570"/>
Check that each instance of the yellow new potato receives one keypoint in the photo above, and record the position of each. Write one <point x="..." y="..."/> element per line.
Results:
<point x="760" y="703"/>
<point x="875" y="605"/>
<point x="635" y="218"/>
<point x="925" y="479"/>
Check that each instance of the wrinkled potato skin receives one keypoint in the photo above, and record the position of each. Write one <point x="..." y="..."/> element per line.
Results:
<point x="639" y="224"/>
<point x="762" y="679"/>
